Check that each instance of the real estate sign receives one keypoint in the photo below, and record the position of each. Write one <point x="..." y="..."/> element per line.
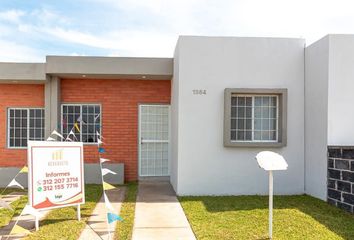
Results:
<point x="55" y="174"/>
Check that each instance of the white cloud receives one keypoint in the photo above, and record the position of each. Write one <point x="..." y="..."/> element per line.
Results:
<point x="173" y="16"/>
<point x="276" y="18"/>
<point x="75" y="54"/>
<point x="74" y="36"/>
<point x="151" y="27"/>
<point x="12" y="52"/>
<point x="121" y="43"/>
<point x="143" y="43"/>
<point x="46" y="16"/>
<point x="5" y="30"/>
<point x="13" y="15"/>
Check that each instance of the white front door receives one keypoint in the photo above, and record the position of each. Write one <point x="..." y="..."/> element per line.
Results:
<point x="154" y="125"/>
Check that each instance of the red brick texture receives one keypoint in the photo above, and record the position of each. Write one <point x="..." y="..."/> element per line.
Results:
<point x="16" y="95"/>
<point x="119" y="100"/>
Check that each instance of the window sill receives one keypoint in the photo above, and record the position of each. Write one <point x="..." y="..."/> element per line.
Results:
<point x="84" y="143"/>
<point x="89" y="144"/>
<point x="17" y="148"/>
<point x="25" y="148"/>
<point x="255" y="144"/>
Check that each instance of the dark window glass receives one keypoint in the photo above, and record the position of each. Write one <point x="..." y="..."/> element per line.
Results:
<point x="37" y="124"/>
<point x="254" y="118"/>
<point x="86" y="118"/>
<point x="22" y="126"/>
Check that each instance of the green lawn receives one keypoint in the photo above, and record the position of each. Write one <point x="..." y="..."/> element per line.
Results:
<point x="62" y="223"/>
<point x="246" y="217"/>
<point x="124" y="229"/>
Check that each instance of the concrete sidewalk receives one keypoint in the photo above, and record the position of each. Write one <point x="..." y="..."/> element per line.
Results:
<point x="96" y="228"/>
<point x="158" y="214"/>
<point x="25" y="221"/>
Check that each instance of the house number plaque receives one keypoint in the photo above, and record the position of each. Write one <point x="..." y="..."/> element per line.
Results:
<point x="199" y="92"/>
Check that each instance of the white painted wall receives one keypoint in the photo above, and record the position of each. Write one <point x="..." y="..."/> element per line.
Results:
<point x="316" y="112"/>
<point x="329" y="98"/>
<point x="341" y="90"/>
<point x="205" y="166"/>
<point x="174" y="122"/>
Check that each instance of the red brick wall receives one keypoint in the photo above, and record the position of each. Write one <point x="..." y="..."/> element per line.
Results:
<point x="119" y="100"/>
<point x="16" y="95"/>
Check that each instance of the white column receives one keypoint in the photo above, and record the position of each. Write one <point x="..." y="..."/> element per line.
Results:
<point x="52" y="104"/>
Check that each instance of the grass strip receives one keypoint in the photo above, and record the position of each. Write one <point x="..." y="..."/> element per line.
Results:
<point x="6" y="214"/>
<point x="11" y="190"/>
<point x="124" y="229"/>
<point x="246" y="217"/>
<point x="62" y="223"/>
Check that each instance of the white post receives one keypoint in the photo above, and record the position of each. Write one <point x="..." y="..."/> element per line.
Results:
<point x="78" y="213"/>
<point x="37" y="223"/>
<point x="270" y="204"/>
<point x="109" y="232"/>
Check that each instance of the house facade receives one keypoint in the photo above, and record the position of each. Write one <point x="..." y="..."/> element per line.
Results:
<point x="199" y="118"/>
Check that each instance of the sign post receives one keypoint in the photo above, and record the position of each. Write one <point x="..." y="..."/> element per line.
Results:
<point x="271" y="161"/>
<point x="78" y="213"/>
<point x="270" y="204"/>
<point x="37" y="223"/>
<point x="55" y="175"/>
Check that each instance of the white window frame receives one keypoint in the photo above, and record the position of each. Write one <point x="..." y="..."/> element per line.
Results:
<point x="253" y="96"/>
<point x="28" y="123"/>
<point x="80" y="104"/>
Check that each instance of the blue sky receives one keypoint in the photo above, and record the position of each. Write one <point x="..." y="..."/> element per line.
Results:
<point x="32" y="29"/>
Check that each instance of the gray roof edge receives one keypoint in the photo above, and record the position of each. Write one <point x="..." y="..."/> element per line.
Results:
<point x="22" y="71"/>
<point x="106" y="57"/>
<point x="109" y="65"/>
<point x="57" y="65"/>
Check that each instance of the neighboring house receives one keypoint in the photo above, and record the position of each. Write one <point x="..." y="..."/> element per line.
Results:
<point x="199" y="118"/>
